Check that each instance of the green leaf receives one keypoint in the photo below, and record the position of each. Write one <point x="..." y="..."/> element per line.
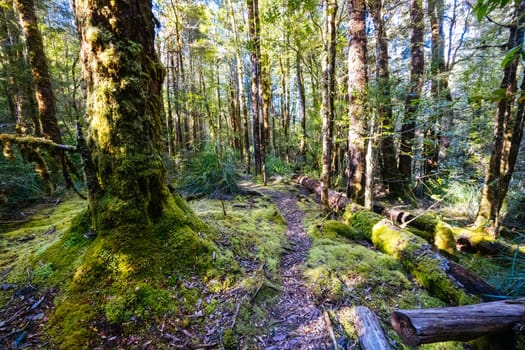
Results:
<point x="511" y="56"/>
<point x="498" y="95"/>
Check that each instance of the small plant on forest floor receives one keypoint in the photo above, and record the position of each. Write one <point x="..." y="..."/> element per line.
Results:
<point x="457" y="198"/>
<point x="210" y="172"/>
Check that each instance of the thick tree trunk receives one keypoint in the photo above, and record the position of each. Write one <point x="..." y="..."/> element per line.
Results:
<point x="369" y="332"/>
<point x="423" y="326"/>
<point x="328" y="92"/>
<point x="417" y="65"/>
<point x="499" y="169"/>
<point x="37" y="58"/>
<point x="357" y="86"/>
<point x="124" y="119"/>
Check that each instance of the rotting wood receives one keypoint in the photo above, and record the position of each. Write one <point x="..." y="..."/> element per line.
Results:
<point x="462" y="323"/>
<point x="369" y="331"/>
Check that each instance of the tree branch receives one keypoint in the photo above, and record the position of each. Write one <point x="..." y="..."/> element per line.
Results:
<point x="36" y="141"/>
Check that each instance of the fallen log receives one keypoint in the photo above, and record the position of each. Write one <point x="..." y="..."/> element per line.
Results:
<point x="443" y="278"/>
<point x="371" y="336"/>
<point x="462" y="323"/>
<point x="336" y="201"/>
<point x="431" y="229"/>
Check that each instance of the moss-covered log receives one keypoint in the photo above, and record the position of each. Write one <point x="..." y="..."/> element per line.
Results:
<point x="426" y="226"/>
<point x="443" y="278"/>
<point x="423" y="326"/>
<point x="478" y="242"/>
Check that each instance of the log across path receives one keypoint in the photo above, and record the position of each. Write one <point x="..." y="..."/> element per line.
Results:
<point x="299" y="323"/>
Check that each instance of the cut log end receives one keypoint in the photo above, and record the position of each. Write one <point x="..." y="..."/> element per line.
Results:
<point x="405" y="329"/>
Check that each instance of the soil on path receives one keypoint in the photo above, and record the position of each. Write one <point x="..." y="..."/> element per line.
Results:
<point x="299" y="321"/>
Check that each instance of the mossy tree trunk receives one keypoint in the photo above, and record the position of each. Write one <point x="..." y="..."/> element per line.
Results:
<point x="508" y="131"/>
<point x="124" y="78"/>
<point x="37" y="59"/>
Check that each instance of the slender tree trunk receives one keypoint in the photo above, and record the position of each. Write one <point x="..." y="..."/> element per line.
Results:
<point x="417" y="65"/>
<point x="506" y="138"/>
<point x="439" y="90"/>
<point x="302" y="104"/>
<point x="328" y="93"/>
<point x="255" y="70"/>
<point x="389" y="169"/>
<point x="37" y="58"/>
<point x="169" y="116"/>
<point x="357" y="86"/>
<point x="240" y="87"/>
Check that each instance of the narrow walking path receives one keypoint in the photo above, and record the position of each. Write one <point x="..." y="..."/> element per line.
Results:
<point x="299" y="323"/>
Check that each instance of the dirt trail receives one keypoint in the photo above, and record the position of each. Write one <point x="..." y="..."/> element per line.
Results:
<point x="299" y="322"/>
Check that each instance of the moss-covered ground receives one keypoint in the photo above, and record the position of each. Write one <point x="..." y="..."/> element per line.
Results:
<point x="215" y="290"/>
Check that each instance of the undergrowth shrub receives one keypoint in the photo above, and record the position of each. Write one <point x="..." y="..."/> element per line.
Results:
<point x="209" y="172"/>
<point x="278" y="166"/>
<point x="457" y="196"/>
<point x="18" y="182"/>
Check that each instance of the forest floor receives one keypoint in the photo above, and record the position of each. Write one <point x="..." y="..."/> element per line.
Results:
<point x="293" y="283"/>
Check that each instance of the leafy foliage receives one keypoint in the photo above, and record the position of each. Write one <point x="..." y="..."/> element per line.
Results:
<point x="210" y="172"/>
<point x="18" y="182"/>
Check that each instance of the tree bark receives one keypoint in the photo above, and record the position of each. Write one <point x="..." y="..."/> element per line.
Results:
<point x="124" y="119"/>
<point x="499" y="167"/>
<point x="417" y="65"/>
<point x="389" y="169"/>
<point x="337" y="201"/>
<point x="357" y="86"/>
<point x="253" y="19"/>
<point x="462" y="323"/>
<point x="302" y="104"/>
<point x="369" y="332"/>
<point x="37" y="59"/>
<point x="328" y="92"/>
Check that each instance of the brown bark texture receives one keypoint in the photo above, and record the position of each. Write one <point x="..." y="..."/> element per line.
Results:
<point x="357" y="85"/>
<point x="328" y="94"/>
<point x="462" y="323"/>
<point x="417" y="65"/>
<point x="124" y="80"/>
<point x="506" y="138"/>
<point x="39" y="68"/>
